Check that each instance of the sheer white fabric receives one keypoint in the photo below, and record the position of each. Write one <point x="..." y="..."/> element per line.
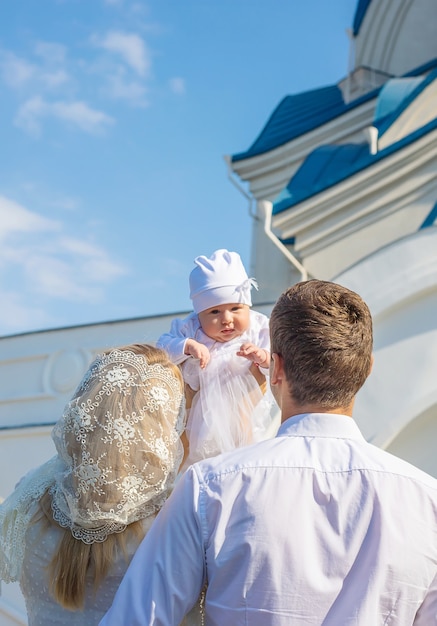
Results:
<point x="92" y="497"/>
<point x="230" y="409"/>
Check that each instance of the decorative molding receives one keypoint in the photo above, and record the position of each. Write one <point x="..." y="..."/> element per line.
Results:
<point x="64" y="369"/>
<point x="380" y="189"/>
<point x="392" y="429"/>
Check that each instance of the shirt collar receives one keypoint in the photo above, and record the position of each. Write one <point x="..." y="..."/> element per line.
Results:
<point x="320" y="425"/>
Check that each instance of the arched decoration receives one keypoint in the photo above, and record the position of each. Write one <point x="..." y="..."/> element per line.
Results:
<point x="64" y="369"/>
<point x="416" y="441"/>
<point x="395" y="36"/>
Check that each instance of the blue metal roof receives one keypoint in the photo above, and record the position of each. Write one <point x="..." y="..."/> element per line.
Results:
<point x="430" y="218"/>
<point x="328" y="165"/>
<point x="321" y="169"/>
<point x="298" y="114"/>
<point x="360" y="13"/>
<point x="396" y="96"/>
<point x="393" y="93"/>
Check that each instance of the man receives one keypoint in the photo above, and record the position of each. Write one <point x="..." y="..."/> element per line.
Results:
<point x="313" y="527"/>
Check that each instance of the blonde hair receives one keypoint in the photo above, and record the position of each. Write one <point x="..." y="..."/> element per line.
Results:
<point x="74" y="559"/>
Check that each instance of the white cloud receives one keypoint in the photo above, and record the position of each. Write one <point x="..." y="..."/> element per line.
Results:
<point x="18" y="315"/>
<point x="39" y="263"/>
<point x="15" y="71"/>
<point x="51" y="53"/>
<point x="66" y="274"/>
<point x="96" y="261"/>
<point x="54" y="277"/>
<point x="81" y="115"/>
<point x="18" y="73"/>
<point x="54" y="79"/>
<point x="15" y="218"/>
<point x="29" y="114"/>
<point x="132" y="49"/>
<point x="177" y="85"/>
<point x="132" y="91"/>
<point x="47" y="84"/>
<point x="76" y="113"/>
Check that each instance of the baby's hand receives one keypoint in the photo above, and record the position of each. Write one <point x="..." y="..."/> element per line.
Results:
<point x="258" y="356"/>
<point x="197" y="351"/>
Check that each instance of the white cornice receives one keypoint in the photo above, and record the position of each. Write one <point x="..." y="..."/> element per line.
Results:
<point x="361" y="199"/>
<point x="262" y="169"/>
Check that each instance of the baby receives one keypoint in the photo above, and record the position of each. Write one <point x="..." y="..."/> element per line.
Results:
<point x="223" y="348"/>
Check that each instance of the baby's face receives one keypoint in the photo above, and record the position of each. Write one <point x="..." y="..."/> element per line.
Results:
<point x="225" y="321"/>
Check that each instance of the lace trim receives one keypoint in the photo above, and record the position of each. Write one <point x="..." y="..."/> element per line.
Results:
<point x="15" y="514"/>
<point x="118" y="448"/>
<point x="87" y="535"/>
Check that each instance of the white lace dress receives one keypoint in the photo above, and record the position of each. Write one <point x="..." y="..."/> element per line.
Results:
<point x="43" y="610"/>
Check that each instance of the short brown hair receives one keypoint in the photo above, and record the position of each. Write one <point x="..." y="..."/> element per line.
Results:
<point x="323" y="331"/>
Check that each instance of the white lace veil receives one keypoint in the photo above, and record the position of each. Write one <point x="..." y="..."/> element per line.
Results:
<point x="119" y="451"/>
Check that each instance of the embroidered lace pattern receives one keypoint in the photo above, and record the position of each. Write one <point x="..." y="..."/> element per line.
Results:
<point x="119" y="449"/>
<point x="15" y="514"/>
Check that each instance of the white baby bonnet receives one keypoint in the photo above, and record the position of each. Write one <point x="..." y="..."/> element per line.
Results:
<point x="220" y="279"/>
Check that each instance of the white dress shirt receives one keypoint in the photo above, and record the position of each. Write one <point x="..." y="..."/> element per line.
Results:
<point x="313" y="527"/>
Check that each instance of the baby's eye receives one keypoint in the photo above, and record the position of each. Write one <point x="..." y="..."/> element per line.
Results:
<point x="214" y="312"/>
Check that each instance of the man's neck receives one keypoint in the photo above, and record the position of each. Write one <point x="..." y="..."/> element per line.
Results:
<point x="291" y="408"/>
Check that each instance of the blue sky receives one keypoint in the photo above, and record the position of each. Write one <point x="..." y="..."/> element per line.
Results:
<point x="115" y="117"/>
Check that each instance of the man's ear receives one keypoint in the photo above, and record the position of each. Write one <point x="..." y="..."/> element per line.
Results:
<point x="277" y="369"/>
<point x="372" y="361"/>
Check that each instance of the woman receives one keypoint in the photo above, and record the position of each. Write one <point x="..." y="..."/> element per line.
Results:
<point x="71" y="526"/>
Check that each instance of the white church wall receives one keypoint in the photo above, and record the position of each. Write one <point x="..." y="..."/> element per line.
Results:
<point x="398" y="403"/>
<point x="397" y="36"/>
